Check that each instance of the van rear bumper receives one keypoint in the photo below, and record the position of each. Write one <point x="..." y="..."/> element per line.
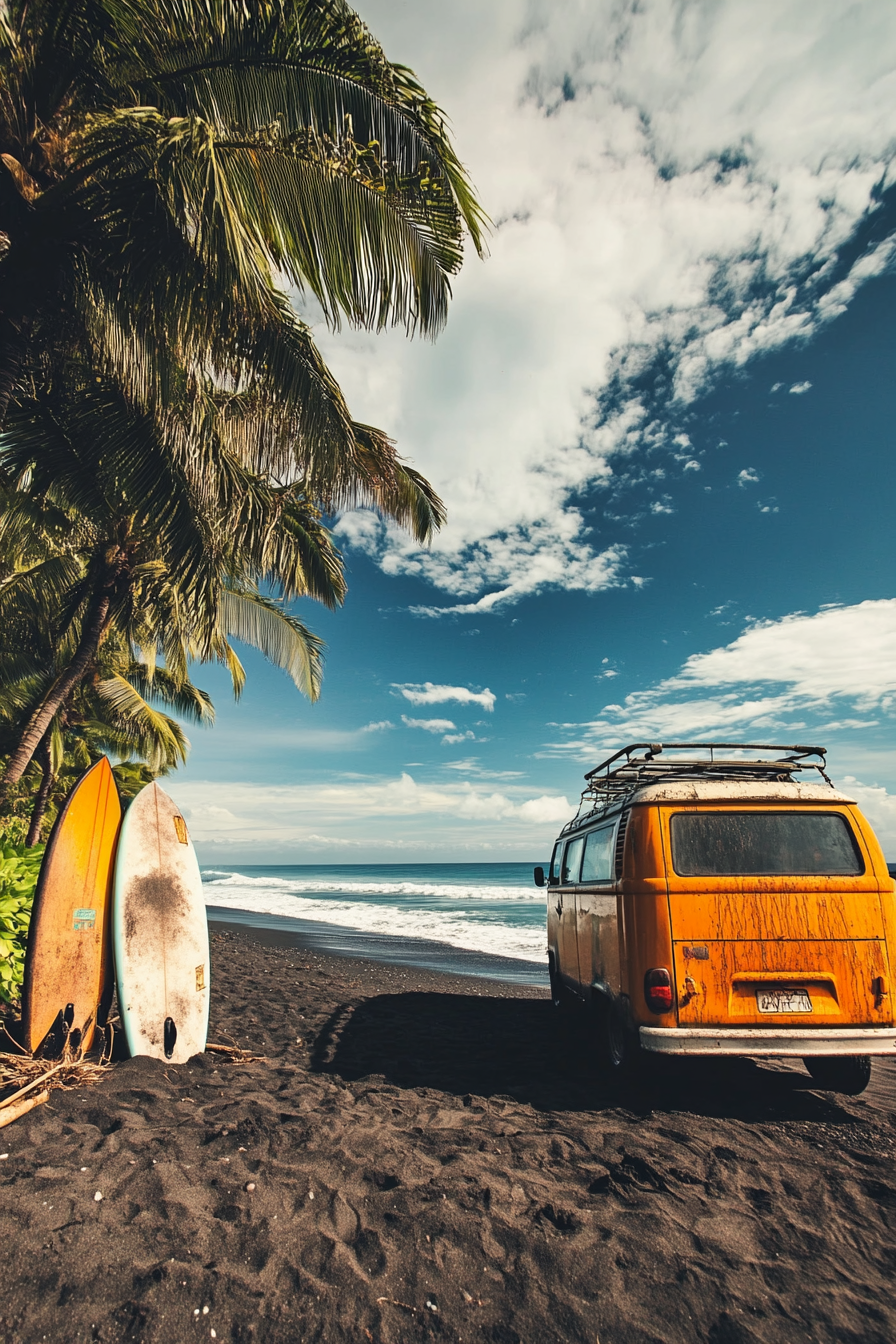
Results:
<point x="768" y="1041"/>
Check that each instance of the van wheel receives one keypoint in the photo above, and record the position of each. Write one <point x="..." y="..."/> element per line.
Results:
<point x="849" y="1074"/>
<point x="616" y="1047"/>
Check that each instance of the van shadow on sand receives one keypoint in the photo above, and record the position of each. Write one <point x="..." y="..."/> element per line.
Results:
<point x="516" y="1049"/>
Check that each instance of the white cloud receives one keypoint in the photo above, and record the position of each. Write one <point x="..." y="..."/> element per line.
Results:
<point x="777" y="678"/>
<point x="429" y="725"/>
<point x="429" y="694"/>
<point x="843" y="651"/>
<point x="522" y="565"/>
<point x="208" y="813"/>
<point x="549" y="807"/>
<point x="470" y="766"/>
<point x="749" y="476"/>
<point x="879" y="807"/>
<point x="688" y="203"/>
<point x="799" y="388"/>
<point x="393" y="813"/>
<point x="451" y="733"/>
<point x="377" y="727"/>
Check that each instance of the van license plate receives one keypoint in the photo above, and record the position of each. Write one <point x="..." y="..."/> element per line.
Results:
<point x="783" y="1001"/>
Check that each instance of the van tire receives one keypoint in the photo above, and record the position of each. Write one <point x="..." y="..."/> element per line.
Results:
<point x="616" y="1045"/>
<point x="849" y="1074"/>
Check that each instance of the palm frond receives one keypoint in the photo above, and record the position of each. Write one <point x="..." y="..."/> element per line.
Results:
<point x="301" y="64"/>
<point x="57" y="746"/>
<point x="185" y="699"/>
<point x="395" y="489"/>
<point x="22" y="680"/>
<point x="159" y="739"/>
<point x="376" y="249"/>
<point x="31" y="594"/>
<point x="236" y="670"/>
<point x="376" y="253"/>
<point x="284" y="640"/>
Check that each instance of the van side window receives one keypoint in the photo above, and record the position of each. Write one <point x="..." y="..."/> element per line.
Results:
<point x="554" y="875"/>
<point x="748" y="844"/>
<point x="597" y="865"/>
<point x="572" y="860"/>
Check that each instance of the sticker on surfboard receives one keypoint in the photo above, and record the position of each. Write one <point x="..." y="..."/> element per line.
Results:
<point x="83" y="920"/>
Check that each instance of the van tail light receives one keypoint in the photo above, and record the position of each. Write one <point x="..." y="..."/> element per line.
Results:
<point x="658" y="990"/>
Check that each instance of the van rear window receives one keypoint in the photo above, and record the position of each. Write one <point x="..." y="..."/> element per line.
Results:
<point x="747" y="844"/>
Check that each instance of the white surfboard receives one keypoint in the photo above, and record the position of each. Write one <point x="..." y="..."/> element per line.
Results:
<point x="160" y="932"/>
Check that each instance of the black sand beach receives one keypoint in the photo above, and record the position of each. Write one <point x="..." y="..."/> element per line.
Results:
<point x="318" y="936"/>
<point x="422" y="1156"/>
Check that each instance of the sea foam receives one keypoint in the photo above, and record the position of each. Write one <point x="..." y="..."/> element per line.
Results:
<point x="398" y="909"/>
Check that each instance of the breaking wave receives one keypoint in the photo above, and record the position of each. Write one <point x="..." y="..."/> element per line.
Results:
<point x="505" y="921"/>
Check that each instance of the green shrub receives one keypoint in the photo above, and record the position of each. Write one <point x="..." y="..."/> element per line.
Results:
<point x="13" y="829"/>
<point x="19" y="868"/>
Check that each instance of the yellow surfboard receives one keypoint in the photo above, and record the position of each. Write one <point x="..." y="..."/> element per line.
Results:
<point x="68" y="981"/>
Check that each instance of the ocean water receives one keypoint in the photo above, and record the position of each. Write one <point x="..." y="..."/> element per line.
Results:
<point x="490" y="909"/>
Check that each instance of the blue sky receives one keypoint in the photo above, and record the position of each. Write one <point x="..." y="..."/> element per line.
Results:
<point x="661" y="417"/>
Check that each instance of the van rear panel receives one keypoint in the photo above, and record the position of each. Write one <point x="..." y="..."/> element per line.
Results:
<point x="776" y="984"/>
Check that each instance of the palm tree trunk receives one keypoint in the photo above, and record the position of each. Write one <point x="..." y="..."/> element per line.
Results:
<point x="43" y="793"/>
<point x="59" y="692"/>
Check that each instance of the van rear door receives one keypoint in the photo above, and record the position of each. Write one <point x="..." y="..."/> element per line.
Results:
<point x="776" y="917"/>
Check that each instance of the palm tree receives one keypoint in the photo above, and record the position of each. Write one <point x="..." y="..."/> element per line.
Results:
<point x="113" y="711"/>
<point x="167" y="170"/>
<point x="168" y="167"/>
<point x="111" y="528"/>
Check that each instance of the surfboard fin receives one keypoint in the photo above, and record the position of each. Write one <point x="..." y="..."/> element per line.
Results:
<point x="53" y="1043"/>
<point x="170" y="1037"/>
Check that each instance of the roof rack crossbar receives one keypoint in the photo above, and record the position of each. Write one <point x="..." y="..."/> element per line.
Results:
<point x="654" y="749"/>
<point x="606" y="786"/>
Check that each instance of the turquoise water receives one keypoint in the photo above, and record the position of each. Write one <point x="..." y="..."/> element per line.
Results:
<point x="493" y="909"/>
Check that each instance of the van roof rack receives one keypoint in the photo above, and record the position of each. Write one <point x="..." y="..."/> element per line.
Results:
<point x="625" y="771"/>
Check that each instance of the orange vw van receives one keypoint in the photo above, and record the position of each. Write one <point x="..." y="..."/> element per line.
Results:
<point x="707" y="900"/>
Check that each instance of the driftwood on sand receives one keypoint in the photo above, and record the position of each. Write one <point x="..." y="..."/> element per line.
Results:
<point x="25" y="1075"/>
<point x="11" y="1109"/>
